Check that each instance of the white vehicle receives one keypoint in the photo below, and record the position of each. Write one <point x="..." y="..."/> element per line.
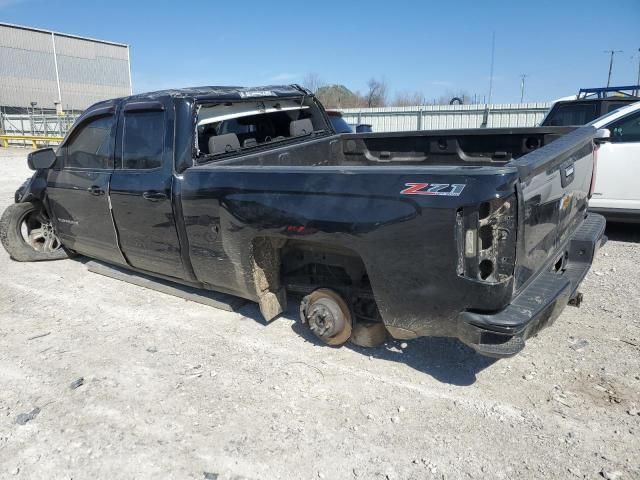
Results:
<point x="617" y="190"/>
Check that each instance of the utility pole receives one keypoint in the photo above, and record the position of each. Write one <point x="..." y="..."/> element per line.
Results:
<point x="612" y="53"/>
<point x="493" y="52"/>
<point x="638" y="81"/>
<point x="485" y="117"/>
<point x="522" y="78"/>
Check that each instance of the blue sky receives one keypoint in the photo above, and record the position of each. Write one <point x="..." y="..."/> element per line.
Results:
<point x="433" y="47"/>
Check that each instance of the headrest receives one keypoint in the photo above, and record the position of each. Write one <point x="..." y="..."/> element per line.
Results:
<point x="249" y="142"/>
<point x="300" y="127"/>
<point x="223" y="143"/>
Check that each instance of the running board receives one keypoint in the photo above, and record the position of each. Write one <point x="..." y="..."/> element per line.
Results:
<point x="218" y="300"/>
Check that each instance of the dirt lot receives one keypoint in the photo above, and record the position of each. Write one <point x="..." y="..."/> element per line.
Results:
<point x="174" y="389"/>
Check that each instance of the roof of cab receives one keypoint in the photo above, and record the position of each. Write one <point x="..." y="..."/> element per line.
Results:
<point x="224" y="93"/>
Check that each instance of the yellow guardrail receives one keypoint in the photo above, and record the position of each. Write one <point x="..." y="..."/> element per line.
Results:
<point x="34" y="139"/>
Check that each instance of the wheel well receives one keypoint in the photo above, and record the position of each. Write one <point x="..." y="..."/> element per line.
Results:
<point x="310" y="265"/>
<point x="299" y="267"/>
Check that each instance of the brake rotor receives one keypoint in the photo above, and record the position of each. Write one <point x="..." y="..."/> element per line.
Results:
<point x="328" y="316"/>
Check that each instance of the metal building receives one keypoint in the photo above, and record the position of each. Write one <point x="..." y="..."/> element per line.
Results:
<point x="58" y="70"/>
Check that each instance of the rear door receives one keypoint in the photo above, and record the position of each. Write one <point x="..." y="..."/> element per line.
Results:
<point x="619" y="166"/>
<point x="141" y="188"/>
<point x="78" y="192"/>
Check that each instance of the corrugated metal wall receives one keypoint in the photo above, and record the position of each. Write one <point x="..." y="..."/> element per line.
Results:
<point x="439" y="117"/>
<point x="87" y="70"/>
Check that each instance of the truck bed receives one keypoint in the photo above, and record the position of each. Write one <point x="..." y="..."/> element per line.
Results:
<point x="522" y="193"/>
<point x="473" y="147"/>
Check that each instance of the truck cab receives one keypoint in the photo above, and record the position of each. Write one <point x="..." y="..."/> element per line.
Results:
<point x="589" y="104"/>
<point x="616" y="194"/>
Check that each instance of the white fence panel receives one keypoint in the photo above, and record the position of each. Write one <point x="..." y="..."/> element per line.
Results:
<point x="440" y="117"/>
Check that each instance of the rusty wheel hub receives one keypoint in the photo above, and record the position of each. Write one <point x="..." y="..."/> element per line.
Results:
<point x="328" y="316"/>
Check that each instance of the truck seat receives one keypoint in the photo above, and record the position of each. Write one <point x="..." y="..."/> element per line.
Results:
<point x="223" y="143"/>
<point x="301" y="127"/>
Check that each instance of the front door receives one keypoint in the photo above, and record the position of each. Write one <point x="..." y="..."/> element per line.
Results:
<point x="141" y="189"/>
<point x="618" y="167"/>
<point x="78" y="192"/>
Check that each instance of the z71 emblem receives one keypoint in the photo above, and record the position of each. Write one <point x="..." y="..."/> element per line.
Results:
<point x="445" y="189"/>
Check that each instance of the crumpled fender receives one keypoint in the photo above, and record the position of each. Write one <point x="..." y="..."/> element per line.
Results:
<point x="33" y="188"/>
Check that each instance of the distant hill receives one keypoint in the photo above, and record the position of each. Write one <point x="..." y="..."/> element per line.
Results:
<point x="338" y="96"/>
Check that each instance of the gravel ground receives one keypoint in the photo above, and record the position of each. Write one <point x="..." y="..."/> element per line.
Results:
<point x="173" y="389"/>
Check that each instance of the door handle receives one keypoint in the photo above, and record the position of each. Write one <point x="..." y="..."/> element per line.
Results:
<point x="95" y="190"/>
<point x="154" y="196"/>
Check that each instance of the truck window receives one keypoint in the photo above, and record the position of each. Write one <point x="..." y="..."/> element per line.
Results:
<point x="571" y="114"/>
<point x="90" y="146"/>
<point x="626" y="129"/>
<point x="235" y="126"/>
<point x="143" y="141"/>
<point x="339" y="124"/>
<point x="616" y="105"/>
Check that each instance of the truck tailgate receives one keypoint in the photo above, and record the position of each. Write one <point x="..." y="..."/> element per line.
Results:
<point x="553" y="197"/>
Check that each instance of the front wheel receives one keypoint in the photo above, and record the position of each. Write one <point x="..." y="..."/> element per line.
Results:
<point x="27" y="234"/>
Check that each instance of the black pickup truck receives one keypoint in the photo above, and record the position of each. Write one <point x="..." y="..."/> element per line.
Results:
<point x="481" y="234"/>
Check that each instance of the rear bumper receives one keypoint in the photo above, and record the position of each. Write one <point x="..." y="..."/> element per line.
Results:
<point x="503" y="334"/>
<point x="622" y="215"/>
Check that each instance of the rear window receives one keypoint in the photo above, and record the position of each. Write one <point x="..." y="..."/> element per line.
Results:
<point x="232" y="127"/>
<point x="616" y="105"/>
<point x="571" y="114"/>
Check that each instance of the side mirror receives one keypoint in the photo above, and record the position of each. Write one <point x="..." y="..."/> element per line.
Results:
<point x="41" y="159"/>
<point x="603" y="135"/>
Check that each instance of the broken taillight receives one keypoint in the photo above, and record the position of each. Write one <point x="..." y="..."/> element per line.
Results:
<point x="487" y="240"/>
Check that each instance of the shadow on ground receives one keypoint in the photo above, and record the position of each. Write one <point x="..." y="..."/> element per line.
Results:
<point x="445" y="359"/>
<point x="623" y="232"/>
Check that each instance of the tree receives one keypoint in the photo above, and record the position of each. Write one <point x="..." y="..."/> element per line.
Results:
<point x="313" y="82"/>
<point x="406" y="99"/>
<point x="376" y="95"/>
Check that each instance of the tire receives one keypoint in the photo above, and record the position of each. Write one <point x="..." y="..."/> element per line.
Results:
<point x="27" y="235"/>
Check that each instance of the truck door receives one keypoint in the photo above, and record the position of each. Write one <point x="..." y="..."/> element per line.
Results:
<point x="78" y="192"/>
<point x="619" y="166"/>
<point x="141" y="189"/>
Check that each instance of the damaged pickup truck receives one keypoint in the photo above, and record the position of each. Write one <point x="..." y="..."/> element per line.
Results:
<point x="482" y="235"/>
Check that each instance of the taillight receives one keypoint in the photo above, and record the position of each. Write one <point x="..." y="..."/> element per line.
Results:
<point x="595" y="169"/>
<point x="487" y="240"/>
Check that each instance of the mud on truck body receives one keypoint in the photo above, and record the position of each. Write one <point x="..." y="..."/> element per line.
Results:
<point x="482" y="235"/>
